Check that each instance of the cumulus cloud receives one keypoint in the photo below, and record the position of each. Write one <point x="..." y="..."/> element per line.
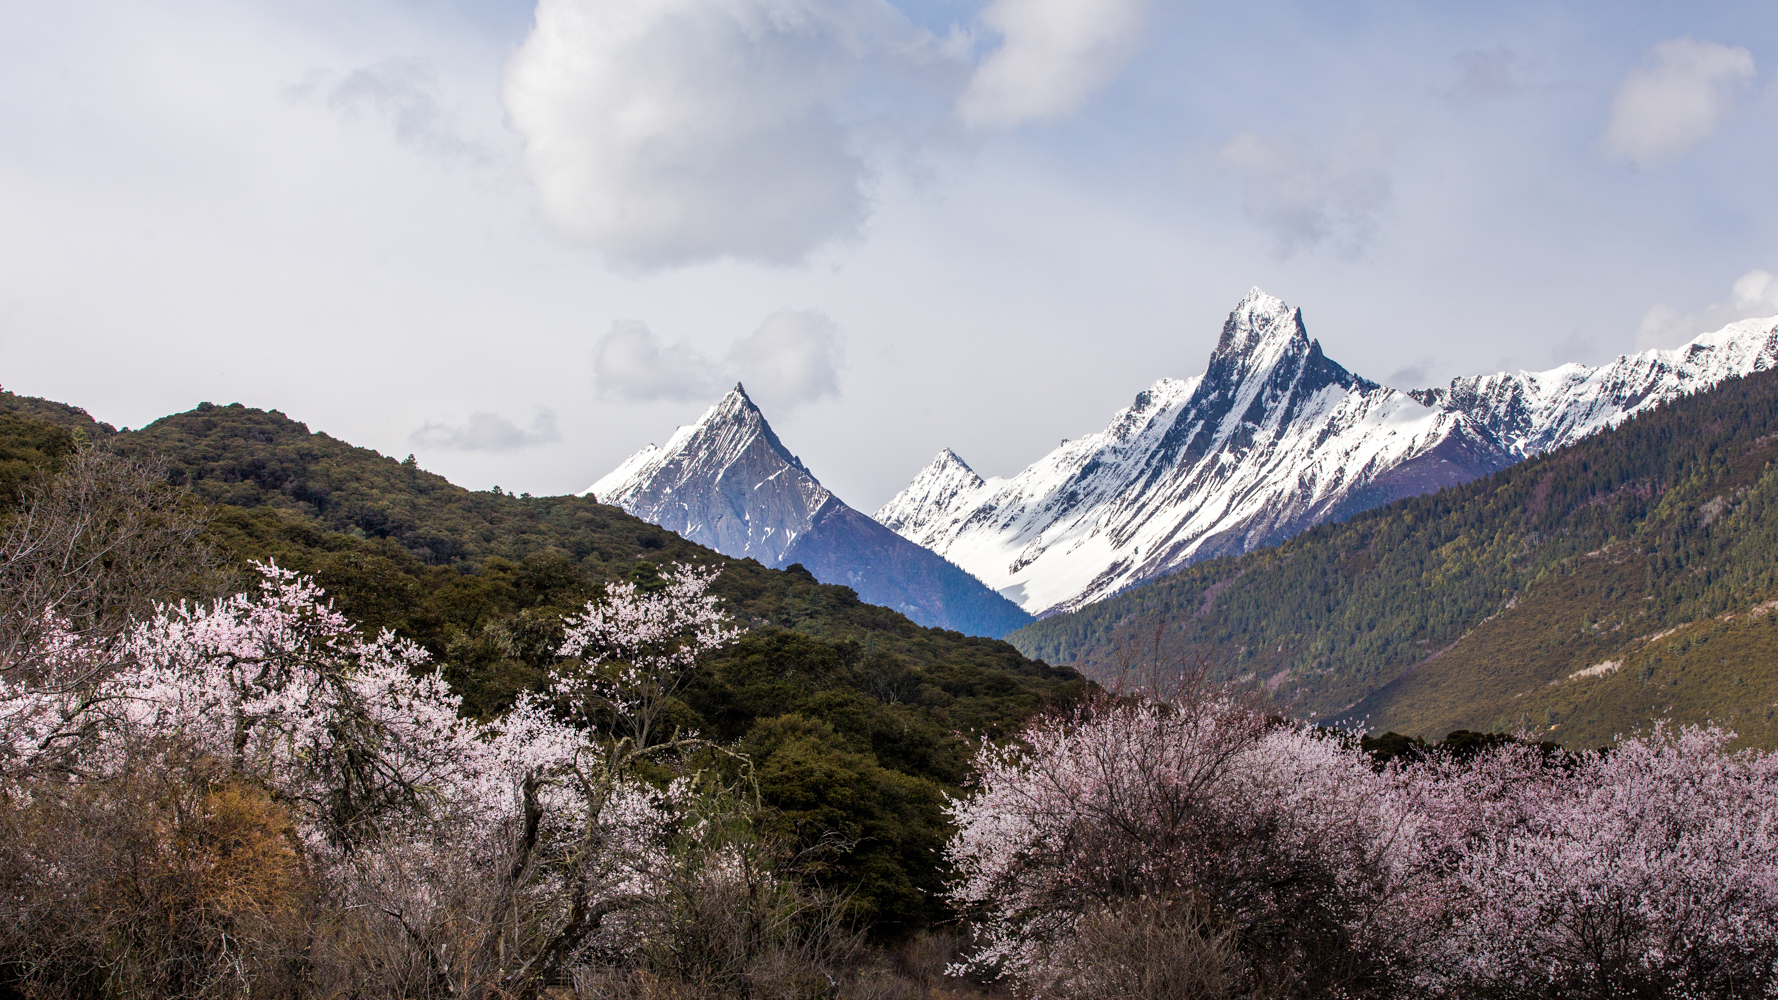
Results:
<point x="794" y="357"/>
<point x="1055" y="55"/>
<point x="404" y="94"/>
<point x="1754" y="296"/>
<point x="668" y="132"/>
<point x="631" y="363"/>
<point x="1303" y="195"/>
<point x="486" y="432"/>
<point x="1678" y="96"/>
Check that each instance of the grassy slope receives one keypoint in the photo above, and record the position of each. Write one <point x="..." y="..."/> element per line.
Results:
<point x="857" y="719"/>
<point x="1471" y="608"/>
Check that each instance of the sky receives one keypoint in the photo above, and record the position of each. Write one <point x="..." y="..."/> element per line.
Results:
<point x="522" y="240"/>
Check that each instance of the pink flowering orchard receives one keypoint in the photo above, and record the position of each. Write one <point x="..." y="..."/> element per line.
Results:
<point x="1649" y="870"/>
<point x="1653" y="865"/>
<point x="1154" y="847"/>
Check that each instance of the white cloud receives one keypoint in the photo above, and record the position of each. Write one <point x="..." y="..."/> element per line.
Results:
<point x="1754" y="296"/>
<point x="794" y="357"/>
<point x="630" y="363"/>
<point x="1677" y="97"/>
<point x="1303" y="195"/>
<point x="486" y="432"/>
<point x="669" y="132"/>
<point x="405" y="95"/>
<point x="1574" y="347"/>
<point x="1055" y="55"/>
<point x="666" y="133"/>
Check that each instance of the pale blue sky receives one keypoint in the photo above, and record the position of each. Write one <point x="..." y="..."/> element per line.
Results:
<point x="976" y="225"/>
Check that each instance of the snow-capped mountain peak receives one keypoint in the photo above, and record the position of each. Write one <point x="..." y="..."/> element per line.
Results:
<point x="710" y="474"/>
<point x="936" y="487"/>
<point x="1534" y="412"/>
<point x="1260" y="325"/>
<point x="728" y="482"/>
<point x="1272" y="437"/>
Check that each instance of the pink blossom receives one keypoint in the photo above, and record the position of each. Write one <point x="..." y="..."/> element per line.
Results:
<point x="1648" y="870"/>
<point x="636" y="648"/>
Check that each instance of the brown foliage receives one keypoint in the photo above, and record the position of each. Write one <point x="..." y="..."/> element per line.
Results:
<point x="170" y="880"/>
<point x="1148" y="950"/>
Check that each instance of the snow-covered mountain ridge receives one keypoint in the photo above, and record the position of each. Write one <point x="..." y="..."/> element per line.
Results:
<point x="728" y="482"/>
<point x="1271" y="439"/>
<point x="1532" y="412"/>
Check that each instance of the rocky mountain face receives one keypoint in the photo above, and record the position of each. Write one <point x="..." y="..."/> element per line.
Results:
<point x="728" y="482"/>
<point x="1274" y="437"/>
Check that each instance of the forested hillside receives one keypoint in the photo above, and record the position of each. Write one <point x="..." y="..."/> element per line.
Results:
<point x="856" y="720"/>
<point x="1625" y="578"/>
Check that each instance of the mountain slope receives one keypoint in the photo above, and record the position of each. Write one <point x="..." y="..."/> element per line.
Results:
<point x="728" y="482"/>
<point x="1626" y="577"/>
<point x="836" y="702"/>
<point x="1272" y="438"/>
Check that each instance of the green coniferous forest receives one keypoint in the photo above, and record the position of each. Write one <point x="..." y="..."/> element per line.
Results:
<point x="1583" y="594"/>
<point x="856" y="720"/>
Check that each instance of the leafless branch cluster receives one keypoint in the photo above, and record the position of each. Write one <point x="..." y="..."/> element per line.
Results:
<point x="100" y="543"/>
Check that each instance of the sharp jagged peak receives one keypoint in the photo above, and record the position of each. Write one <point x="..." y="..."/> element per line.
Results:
<point x="951" y="466"/>
<point x="948" y="459"/>
<point x="948" y="467"/>
<point x="731" y="428"/>
<point x="727" y="426"/>
<point x="1263" y="337"/>
<point x="942" y="480"/>
<point x="1258" y="322"/>
<point x="736" y="404"/>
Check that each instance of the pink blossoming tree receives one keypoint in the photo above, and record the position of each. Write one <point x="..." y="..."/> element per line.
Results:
<point x="1294" y="867"/>
<point x="501" y="851"/>
<point x="1650" y="870"/>
<point x="633" y="651"/>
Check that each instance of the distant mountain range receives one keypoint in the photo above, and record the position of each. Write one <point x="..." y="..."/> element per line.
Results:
<point x="1532" y="412"/>
<point x="1584" y="593"/>
<point x="1274" y="437"/>
<point x="728" y="482"/>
